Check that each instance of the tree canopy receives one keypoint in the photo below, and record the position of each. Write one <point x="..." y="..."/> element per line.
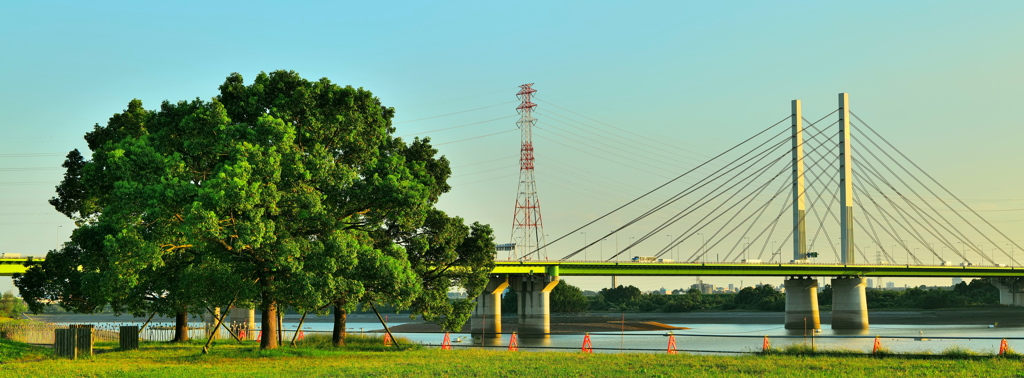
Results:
<point x="280" y="193"/>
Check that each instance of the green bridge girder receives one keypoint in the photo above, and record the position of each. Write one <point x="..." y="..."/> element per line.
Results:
<point x="751" y="269"/>
<point x="559" y="268"/>
<point x="10" y="266"/>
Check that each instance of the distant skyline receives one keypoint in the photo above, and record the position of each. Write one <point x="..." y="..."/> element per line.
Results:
<point x="629" y="94"/>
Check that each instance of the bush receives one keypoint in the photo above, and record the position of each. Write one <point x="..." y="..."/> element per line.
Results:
<point x="11" y="306"/>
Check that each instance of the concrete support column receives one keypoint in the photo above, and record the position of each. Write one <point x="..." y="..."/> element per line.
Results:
<point x="849" y="303"/>
<point x="244" y="319"/>
<point x="533" y="293"/>
<point x="487" y="315"/>
<point x="1011" y="291"/>
<point x="802" y="304"/>
<point x="210" y="320"/>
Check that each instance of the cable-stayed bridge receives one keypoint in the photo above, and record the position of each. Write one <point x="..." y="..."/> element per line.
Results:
<point x="799" y="199"/>
<point x="836" y="183"/>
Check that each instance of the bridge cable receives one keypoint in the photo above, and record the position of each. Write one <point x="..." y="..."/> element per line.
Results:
<point x="657" y="188"/>
<point x="958" y="234"/>
<point x="701" y="201"/>
<point x="932" y="230"/>
<point x="996" y="245"/>
<point x="678" y="216"/>
<point x="901" y="241"/>
<point x="726" y="201"/>
<point x="931" y="220"/>
<point x="716" y="243"/>
<point x="759" y="211"/>
<point x="814" y="163"/>
<point x="917" y="209"/>
<point x="818" y="192"/>
<point x="872" y="234"/>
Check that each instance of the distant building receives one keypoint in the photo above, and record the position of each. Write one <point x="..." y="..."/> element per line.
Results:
<point x="890" y="285"/>
<point x="957" y="280"/>
<point x="871" y="282"/>
<point x="732" y="288"/>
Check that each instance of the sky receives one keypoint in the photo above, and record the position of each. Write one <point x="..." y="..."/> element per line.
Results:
<point x="629" y="94"/>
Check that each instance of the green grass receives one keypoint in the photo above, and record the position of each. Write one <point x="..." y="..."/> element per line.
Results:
<point x="13" y="351"/>
<point x="366" y="357"/>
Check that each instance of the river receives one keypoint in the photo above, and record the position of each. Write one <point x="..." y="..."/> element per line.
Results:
<point x="722" y="338"/>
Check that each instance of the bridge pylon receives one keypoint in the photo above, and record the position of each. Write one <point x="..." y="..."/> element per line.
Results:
<point x="799" y="205"/>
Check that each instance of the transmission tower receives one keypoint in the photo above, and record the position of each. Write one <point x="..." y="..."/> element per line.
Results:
<point x="527" y="226"/>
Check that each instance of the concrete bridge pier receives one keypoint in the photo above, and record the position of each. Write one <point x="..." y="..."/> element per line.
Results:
<point x="210" y="321"/>
<point x="802" y="303"/>
<point x="1011" y="291"/>
<point x="849" y="303"/>
<point x="487" y="315"/>
<point x="244" y="318"/>
<point x="533" y="293"/>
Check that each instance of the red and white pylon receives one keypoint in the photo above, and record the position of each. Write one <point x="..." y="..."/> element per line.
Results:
<point x="527" y="224"/>
<point x="671" y="343"/>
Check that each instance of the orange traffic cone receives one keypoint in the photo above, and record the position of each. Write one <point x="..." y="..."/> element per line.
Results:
<point x="259" y="336"/>
<point x="1003" y="347"/>
<point x="447" y="343"/>
<point x="513" y="345"/>
<point x="387" y="339"/>
<point x="671" y="343"/>
<point x="878" y="345"/>
<point x="302" y="335"/>
<point x="766" y="347"/>
<point x="587" y="347"/>
<point x="241" y="334"/>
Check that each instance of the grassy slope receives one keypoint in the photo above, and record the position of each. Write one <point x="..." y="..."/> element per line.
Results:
<point x="230" y="360"/>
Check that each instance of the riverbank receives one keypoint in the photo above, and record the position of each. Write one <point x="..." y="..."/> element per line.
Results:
<point x="227" y="359"/>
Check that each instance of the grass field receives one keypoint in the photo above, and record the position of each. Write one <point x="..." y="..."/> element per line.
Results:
<point x="369" y="358"/>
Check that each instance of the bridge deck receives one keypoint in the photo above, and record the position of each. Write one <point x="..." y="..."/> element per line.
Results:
<point x="751" y="269"/>
<point x="595" y="268"/>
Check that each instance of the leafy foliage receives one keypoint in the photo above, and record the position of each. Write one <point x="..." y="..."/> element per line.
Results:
<point x="280" y="193"/>
<point x="11" y="306"/>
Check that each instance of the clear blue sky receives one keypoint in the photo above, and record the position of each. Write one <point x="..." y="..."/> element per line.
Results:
<point x="942" y="80"/>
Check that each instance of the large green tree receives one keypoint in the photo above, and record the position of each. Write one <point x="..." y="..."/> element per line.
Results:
<point x="281" y="193"/>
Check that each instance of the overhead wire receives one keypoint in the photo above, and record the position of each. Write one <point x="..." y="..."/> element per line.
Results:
<point x="700" y="184"/>
<point x="684" y="174"/>
<point x="454" y="113"/>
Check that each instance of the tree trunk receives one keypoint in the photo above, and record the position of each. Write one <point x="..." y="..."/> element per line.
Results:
<point x="340" y="319"/>
<point x="269" y="327"/>
<point x="181" y="327"/>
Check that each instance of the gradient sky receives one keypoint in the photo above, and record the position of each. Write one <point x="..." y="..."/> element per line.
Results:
<point x="941" y="79"/>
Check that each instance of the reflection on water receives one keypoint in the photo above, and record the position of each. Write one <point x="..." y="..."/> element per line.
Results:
<point x="716" y="338"/>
